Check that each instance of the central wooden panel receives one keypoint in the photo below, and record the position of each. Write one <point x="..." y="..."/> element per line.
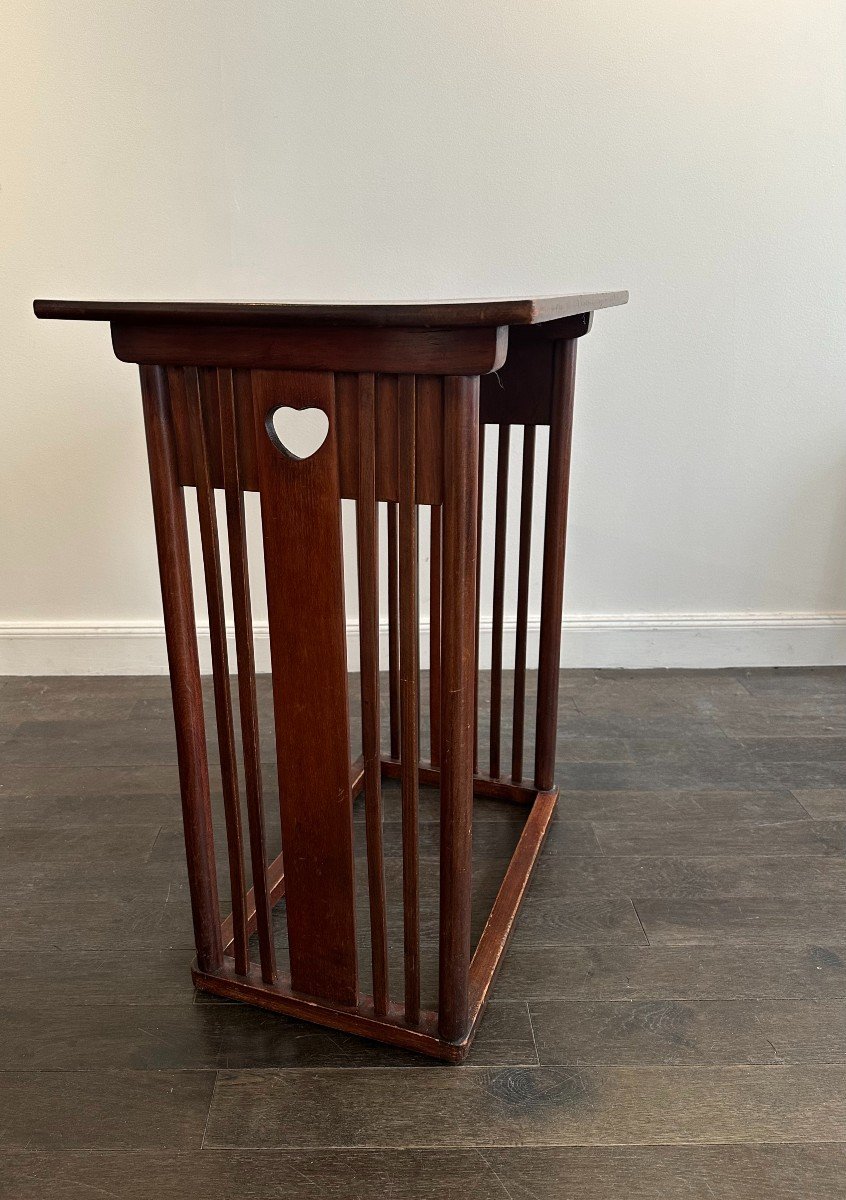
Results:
<point x="301" y="522"/>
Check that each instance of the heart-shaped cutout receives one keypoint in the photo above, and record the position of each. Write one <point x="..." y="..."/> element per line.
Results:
<point x="298" y="432"/>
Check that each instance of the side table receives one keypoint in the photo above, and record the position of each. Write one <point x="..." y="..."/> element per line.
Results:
<point x="407" y="391"/>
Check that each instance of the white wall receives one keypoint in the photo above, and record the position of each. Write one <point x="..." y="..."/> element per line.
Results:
<point x="690" y="150"/>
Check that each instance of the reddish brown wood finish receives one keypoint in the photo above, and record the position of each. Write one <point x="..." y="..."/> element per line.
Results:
<point x="236" y="527"/>
<point x="368" y="601"/>
<point x="442" y="314"/>
<point x="189" y="381"/>
<point x="183" y="660"/>
<point x="403" y="389"/>
<point x="483" y="785"/>
<point x="474" y="351"/>
<point x="500" y="924"/>
<point x="458" y="677"/>
<point x="409" y="625"/>
<point x="428" y="440"/>
<point x="555" y="533"/>
<point x="362" y="1020"/>
<point x="300" y="502"/>
<point x="272" y="884"/>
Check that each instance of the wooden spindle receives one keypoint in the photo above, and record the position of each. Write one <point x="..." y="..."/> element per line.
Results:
<point x="555" y="533"/>
<point x="523" y="566"/>
<point x="409" y="624"/>
<point x="435" y="584"/>
<point x="503" y="452"/>
<point x="186" y="685"/>
<point x="393" y="627"/>
<point x="207" y="511"/>
<point x="458" y="668"/>
<point x="245" y="655"/>
<point x="368" y="601"/>
<point x="476" y="636"/>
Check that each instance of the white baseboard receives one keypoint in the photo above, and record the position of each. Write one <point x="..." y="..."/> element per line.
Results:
<point x="697" y="640"/>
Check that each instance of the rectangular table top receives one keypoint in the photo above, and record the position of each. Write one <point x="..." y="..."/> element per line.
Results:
<point x="528" y="310"/>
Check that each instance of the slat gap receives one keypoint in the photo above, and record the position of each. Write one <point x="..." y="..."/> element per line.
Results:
<point x="500" y="529"/>
<point x="409" y="622"/>
<point x="245" y="656"/>
<point x="480" y="496"/>
<point x="523" y="568"/>
<point x="393" y="627"/>
<point x="368" y="594"/>
<point x="435" y="600"/>
<point x="207" y="511"/>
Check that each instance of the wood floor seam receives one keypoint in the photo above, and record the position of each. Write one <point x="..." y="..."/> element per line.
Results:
<point x="671" y="1009"/>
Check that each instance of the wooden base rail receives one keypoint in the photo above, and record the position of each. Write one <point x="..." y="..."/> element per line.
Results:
<point x="275" y="891"/>
<point x="430" y="776"/>
<point x="395" y="408"/>
<point x="483" y="785"/>
<point x="392" y="1025"/>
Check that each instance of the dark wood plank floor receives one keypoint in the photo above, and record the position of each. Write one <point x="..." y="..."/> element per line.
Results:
<point x="670" y="1020"/>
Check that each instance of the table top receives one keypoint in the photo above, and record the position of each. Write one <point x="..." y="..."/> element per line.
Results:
<point x="527" y="310"/>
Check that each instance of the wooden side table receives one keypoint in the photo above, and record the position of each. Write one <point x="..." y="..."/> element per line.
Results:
<point x="407" y="391"/>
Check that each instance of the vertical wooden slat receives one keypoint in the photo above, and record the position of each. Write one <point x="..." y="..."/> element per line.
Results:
<point x="479" y="507"/>
<point x="220" y="661"/>
<point x="387" y="437"/>
<point x="244" y="649"/>
<point x="393" y="627"/>
<point x="523" y="565"/>
<point x="429" y="483"/>
<point x="186" y="687"/>
<point x="458" y="676"/>
<point x="346" y="411"/>
<point x="555" y="532"/>
<point x="409" y="624"/>
<point x="304" y="570"/>
<point x="368" y="601"/>
<point x="435" y="546"/>
<point x="503" y="451"/>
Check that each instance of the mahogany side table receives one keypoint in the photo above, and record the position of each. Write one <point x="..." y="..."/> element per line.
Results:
<point x="407" y="390"/>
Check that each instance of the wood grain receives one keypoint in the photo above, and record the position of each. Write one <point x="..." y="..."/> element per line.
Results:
<point x="183" y="660"/>
<point x="458" y="676"/>
<point x="368" y="601"/>
<point x="529" y="1106"/>
<point x="309" y="689"/>
<point x="102" y="1110"/>
<point x="716" y="972"/>
<point x="460" y="313"/>
<point x="409" y="692"/>
<point x="236" y="526"/>
<point x="471" y="351"/>
<point x="737" y="922"/>
<point x="554" y="541"/>
<point x="198" y="404"/>
<point x="686" y="1033"/>
<point x="592" y="1173"/>
<point x="773" y="969"/>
